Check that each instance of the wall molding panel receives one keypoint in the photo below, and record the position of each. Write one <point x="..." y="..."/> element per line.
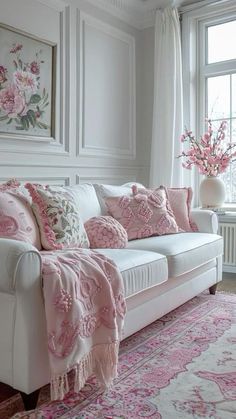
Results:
<point x="95" y="105"/>
<point x="64" y="134"/>
<point x="71" y="175"/>
<point x="56" y="181"/>
<point x="85" y="24"/>
<point x="106" y="179"/>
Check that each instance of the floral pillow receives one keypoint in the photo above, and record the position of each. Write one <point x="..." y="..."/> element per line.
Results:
<point x="58" y="218"/>
<point x="105" y="232"/>
<point x="144" y="214"/>
<point x="17" y="220"/>
<point x="180" y="201"/>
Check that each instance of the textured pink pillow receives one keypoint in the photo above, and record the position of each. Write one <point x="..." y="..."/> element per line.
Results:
<point x="180" y="201"/>
<point x="143" y="215"/>
<point x="105" y="232"/>
<point x="16" y="218"/>
<point x="10" y="184"/>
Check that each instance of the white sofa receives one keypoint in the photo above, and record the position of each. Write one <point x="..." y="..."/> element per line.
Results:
<point x="159" y="273"/>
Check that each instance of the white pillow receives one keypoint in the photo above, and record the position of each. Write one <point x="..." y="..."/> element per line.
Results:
<point x="85" y="198"/>
<point x="106" y="191"/>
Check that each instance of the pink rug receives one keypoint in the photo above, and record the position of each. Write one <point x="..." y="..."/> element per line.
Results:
<point x="182" y="366"/>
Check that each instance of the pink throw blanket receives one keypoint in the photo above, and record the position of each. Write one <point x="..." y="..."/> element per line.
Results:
<point x="85" y="308"/>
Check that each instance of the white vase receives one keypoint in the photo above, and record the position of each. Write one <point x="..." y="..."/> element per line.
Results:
<point x="212" y="192"/>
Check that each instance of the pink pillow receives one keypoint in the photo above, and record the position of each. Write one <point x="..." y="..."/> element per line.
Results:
<point x="105" y="232"/>
<point x="58" y="218"/>
<point x="16" y="218"/>
<point x="143" y="215"/>
<point x="180" y="201"/>
<point x="10" y="184"/>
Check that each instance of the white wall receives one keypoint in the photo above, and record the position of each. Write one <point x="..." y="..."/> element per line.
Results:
<point x="145" y="88"/>
<point x="96" y="89"/>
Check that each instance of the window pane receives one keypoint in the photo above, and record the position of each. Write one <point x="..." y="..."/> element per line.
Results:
<point x="233" y="93"/>
<point x="229" y="177"/>
<point x="226" y="177"/>
<point x="233" y="178"/>
<point x="218" y="92"/>
<point x="221" y="42"/>
<point x="233" y="135"/>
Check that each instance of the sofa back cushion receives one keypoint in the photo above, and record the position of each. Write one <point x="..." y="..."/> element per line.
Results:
<point x="58" y="217"/>
<point x="106" y="232"/>
<point x="86" y="200"/>
<point x="17" y="220"/>
<point x="180" y="201"/>
<point x="106" y="191"/>
<point x="144" y="214"/>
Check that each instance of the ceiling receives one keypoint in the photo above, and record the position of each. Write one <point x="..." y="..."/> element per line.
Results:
<point x="138" y="13"/>
<point x="162" y="3"/>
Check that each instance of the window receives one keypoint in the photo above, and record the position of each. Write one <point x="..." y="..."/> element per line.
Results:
<point x="217" y="83"/>
<point x="209" y="77"/>
<point x="221" y="42"/>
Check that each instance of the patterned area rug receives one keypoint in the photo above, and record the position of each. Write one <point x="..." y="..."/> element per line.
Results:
<point x="180" y="367"/>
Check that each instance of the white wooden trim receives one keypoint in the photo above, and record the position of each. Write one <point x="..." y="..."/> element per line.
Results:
<point x="137" y="13"/>
<point x="119" y="179"/>
<point x="194" y="23"/>
<point x="50" y="180"/>
<point x="82" y="148"/>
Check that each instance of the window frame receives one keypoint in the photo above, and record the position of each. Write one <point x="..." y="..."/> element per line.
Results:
<point x="196" y="70"/>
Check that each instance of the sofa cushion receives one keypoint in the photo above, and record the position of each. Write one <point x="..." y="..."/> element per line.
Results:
<point x="184" y="252"/>
<point x="180" y="201"/>
<point x="106" y="191"/>
<point x="143" y="215"/>
<point x="86" y="200"/>
<point x="140" y="269"/>
<point x="105" y="232"/>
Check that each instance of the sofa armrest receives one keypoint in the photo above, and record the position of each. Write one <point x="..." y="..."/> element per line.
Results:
<point x="23" y="349"/>
<point x="20" y="265"/>
<point x="206" y="220"/>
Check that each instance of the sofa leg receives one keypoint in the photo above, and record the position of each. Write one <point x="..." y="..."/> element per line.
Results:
<point x="212" y="289"/>
<point x="30" y="400"/>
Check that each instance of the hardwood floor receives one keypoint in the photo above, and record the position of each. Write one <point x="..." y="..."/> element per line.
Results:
<point x="6" y="392"/>
<point x="228" y="283"/>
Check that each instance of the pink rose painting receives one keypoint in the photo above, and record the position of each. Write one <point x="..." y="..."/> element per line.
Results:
<point x="26" y="68"/>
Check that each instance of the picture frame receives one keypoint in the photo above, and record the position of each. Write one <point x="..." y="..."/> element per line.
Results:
<point x="27" y="86"/>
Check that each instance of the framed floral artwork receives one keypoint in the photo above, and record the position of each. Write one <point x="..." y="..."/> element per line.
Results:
<point x="27" y="86"/>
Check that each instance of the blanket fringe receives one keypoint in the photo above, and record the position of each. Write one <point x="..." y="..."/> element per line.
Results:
<point x="102" y="360"/>
<point x="59" y="387"/>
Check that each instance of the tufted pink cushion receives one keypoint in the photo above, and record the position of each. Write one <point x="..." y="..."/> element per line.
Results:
<point x="105" y="232"/>
<point x="16" y="218"/>
<point x="180" y="201"/>
<point x="144" y="214"/>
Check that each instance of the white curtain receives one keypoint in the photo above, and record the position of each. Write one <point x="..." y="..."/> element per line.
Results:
<point x="165" y="168"/>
